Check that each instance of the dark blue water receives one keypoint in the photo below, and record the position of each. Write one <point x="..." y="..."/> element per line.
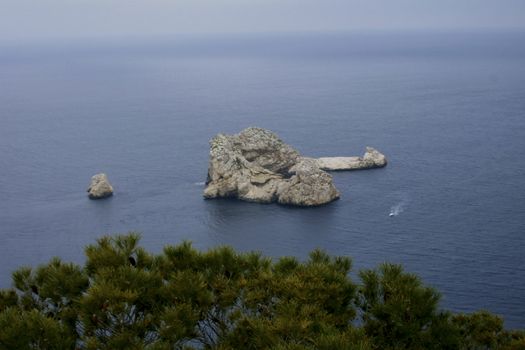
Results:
<point x="447" y="109"/>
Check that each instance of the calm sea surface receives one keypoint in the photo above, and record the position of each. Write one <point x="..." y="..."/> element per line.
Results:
<point x="447" y="109"/>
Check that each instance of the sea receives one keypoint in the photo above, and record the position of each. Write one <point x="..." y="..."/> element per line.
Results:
<point x="446" y="108"/>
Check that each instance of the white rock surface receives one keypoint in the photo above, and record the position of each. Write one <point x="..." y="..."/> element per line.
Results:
<point x="256" y="166"/>
<point x="100" y="187"/>
<point x="371" y="159"/>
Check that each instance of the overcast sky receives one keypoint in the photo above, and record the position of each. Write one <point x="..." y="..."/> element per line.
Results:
<point x="36" y="19"/>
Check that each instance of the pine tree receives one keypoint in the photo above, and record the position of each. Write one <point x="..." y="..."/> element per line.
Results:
<point x="127" y="298"/>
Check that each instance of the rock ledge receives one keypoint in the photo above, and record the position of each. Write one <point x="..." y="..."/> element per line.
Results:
<point x="371" y="159"/>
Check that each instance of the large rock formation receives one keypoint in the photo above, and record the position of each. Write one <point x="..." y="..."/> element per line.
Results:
<point x="256" y="166"/>
<point x="371" y="159"/>
<point x="100" y="187"/>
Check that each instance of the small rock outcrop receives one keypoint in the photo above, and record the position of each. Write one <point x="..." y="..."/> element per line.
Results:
<point x="256" y="166"/>
<point x="371" y="159"/>
<point x="99" y="187"/>
<point x="309" y="186"/>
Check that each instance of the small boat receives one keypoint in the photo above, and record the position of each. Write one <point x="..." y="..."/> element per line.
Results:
<point x="391" y="214"/>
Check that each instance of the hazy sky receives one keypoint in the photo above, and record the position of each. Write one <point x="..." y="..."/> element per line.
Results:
<point x="33" y="19"/>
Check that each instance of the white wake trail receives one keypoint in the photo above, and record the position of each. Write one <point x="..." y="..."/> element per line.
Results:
<point x="397" y="209"/>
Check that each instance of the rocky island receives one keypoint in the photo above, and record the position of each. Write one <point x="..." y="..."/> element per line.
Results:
<point x="99" y="187"/>
<point x="256" y="166"/>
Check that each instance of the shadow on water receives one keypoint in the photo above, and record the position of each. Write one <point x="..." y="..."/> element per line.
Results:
<point x="256" y="226"/>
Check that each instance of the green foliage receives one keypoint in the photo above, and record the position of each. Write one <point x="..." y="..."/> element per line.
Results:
<point x="126" y="298"/>
<point x="400" y="313"/>
<point x="20" y="329"/>
<point x="296" y="303"/>
<point x="482" y="330"/>
<point x="8" y="298"/>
